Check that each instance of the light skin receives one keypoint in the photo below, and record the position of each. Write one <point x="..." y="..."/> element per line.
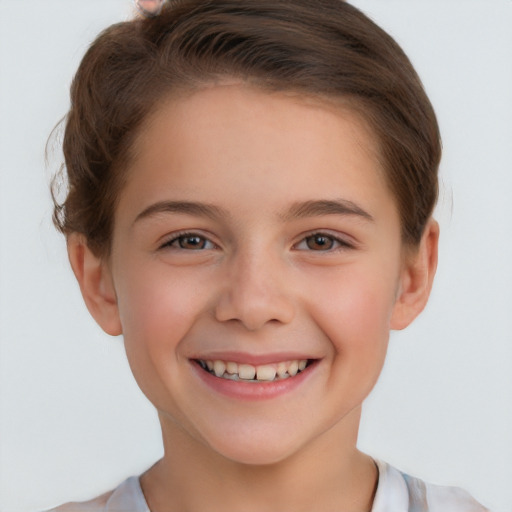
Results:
<point x="256" y="228"/>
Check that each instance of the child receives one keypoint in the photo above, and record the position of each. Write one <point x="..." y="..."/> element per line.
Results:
<point x="251" y="187"/>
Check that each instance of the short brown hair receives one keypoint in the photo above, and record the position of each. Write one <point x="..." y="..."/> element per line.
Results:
<point x="325" y="48"/>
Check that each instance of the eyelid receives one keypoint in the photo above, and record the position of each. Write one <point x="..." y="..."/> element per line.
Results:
<point x="343" y="242"/>
<point x="168" y="240"/>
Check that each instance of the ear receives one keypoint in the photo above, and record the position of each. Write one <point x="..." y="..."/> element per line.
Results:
<point x="95" y="279"/>
<point x="416" y="279"/>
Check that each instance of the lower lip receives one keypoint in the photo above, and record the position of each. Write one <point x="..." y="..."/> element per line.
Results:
<point x="254" y="390"/>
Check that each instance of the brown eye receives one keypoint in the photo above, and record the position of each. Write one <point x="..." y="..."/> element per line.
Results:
<point x="323" y="242"/>
<point x="189" y="242"/>
<point x="193" y="242"/>
<point x="320" y="242"/>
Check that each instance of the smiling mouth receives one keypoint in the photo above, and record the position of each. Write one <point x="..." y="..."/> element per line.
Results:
<point x="230" y="370"/>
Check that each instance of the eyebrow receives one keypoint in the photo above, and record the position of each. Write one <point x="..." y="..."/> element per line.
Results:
<point x="183" y="207"/>
<point x="298" y="210"/>
<point x="326" y="207"/>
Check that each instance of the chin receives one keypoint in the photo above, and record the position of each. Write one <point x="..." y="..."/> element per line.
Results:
<point x="257" y="447"/>
<point x="261" y="455"/>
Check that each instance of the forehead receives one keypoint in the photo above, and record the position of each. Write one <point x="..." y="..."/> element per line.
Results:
<point x="213" y="143"/>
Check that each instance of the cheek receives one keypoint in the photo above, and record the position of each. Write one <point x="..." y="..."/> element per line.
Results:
<point x="158" y="307"/>
<point x="356" y="312"/>
<point x="157" y="310"/>
<point x="354" y="317"/>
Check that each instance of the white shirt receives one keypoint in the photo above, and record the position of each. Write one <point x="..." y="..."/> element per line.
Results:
<point x="396" y="492"/>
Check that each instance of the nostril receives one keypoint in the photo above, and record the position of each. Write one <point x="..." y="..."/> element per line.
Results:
<point x="254" y="312"/>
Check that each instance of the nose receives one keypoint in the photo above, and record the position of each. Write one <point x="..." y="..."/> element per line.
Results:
<point x="255" y="292"/>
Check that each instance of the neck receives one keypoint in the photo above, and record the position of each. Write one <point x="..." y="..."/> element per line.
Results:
<point x="327" y="474"/>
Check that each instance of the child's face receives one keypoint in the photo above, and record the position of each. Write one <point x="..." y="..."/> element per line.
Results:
<point x="256" y="229"/>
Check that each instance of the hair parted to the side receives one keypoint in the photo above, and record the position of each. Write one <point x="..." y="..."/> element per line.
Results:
<point x="325" y="48"/>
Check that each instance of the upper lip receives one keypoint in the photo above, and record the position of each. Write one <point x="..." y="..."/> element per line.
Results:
<point x="253" y="359"/>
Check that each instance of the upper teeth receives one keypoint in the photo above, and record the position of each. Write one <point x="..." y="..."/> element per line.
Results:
<point x="249" y="372"/>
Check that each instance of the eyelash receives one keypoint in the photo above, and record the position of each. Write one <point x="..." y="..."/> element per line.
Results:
<point x="179" y="237"/>
<point x="336" y="242"/>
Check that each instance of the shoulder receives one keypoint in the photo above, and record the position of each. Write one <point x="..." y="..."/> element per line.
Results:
<point x="451" y="499"/>
<point x="127" y="497"/>
<point x="95" y="505"/>
<point x="405" y="493"/>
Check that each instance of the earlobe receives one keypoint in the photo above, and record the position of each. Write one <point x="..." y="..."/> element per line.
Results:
<point x="95" y="280"/>
<point x="416" y="279"/>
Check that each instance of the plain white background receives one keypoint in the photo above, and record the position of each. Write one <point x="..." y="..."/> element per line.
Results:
<point x="74" y="424"/>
